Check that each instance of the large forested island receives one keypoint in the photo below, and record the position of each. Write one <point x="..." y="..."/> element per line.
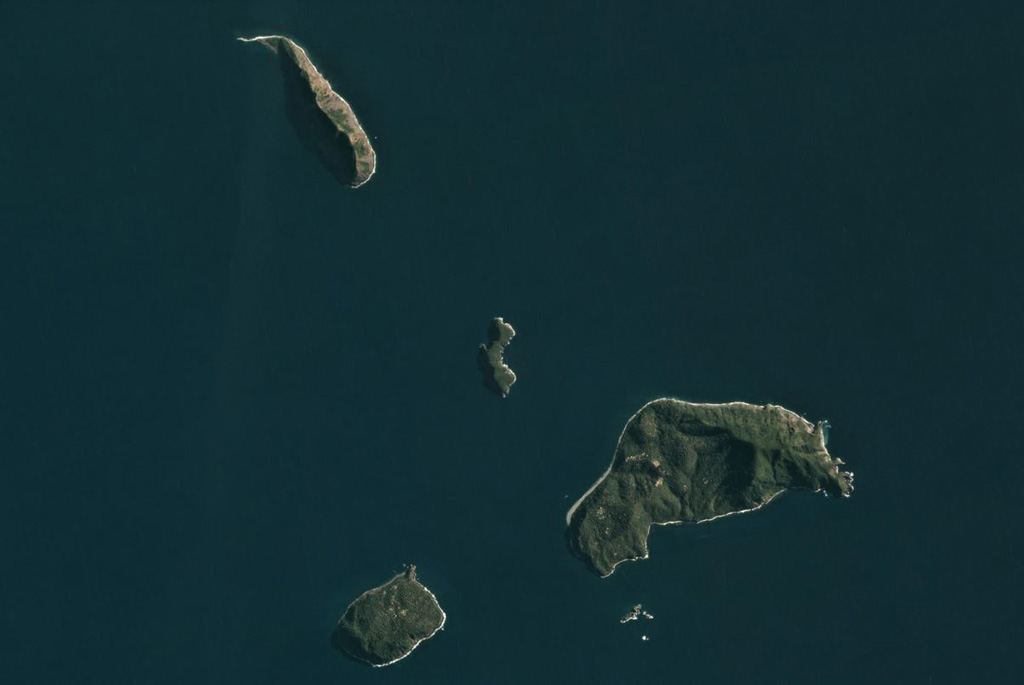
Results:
<point x="681" y="462"/>
<point x="322" y="117"/>
<point x="385" y="624"/>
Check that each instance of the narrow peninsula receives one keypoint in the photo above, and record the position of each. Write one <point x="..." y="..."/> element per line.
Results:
<point x="679" y="462"/>
<point x="498" y="377"/>
<point x="387" y="623"/>
<point x="322" y="117"/>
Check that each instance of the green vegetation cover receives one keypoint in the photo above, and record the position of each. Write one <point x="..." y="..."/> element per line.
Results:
<point x="682" y="462"/>
<point x="386" y="623"/>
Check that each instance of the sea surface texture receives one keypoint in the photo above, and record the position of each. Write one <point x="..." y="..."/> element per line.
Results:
<point x="235" y="394"/>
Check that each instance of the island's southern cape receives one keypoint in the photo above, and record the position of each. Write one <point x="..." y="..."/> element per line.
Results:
<point x="680" y="462"/>
<point x="323" y="114"/>
<point x="387" y="623"/>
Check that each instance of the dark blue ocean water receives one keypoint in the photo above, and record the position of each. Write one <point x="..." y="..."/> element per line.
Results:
<point x="233" y="394"/>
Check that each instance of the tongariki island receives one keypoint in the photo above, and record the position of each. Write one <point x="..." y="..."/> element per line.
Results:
<point x="683" y="462"/>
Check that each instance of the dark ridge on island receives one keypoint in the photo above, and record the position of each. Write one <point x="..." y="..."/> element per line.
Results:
<point x="387" y="623"/>
<point x="323" y="119"/>
<point x="498" y="377"/>
<point x="679" y="462"/>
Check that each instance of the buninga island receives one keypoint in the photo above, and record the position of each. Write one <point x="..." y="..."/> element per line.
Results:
<point x="322" y="117"/>
<point x="679" y="462"/>
<point x="498" y="377"/>
<point x="385" y="624"/>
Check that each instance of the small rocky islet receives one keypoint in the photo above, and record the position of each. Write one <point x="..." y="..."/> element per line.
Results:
<point x="636" y="613"/>
<point x="498" y="377"/>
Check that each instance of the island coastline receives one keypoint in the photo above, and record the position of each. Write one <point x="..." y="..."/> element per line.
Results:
<point x="352" y="129"/>
<point x="444" y="618"/>
<point x="811" y="428"/>
<point x="498" y="376"/>
<point x="418" y="642"/>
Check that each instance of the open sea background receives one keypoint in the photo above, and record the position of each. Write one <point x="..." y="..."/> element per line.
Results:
<point x="234" y="395"/>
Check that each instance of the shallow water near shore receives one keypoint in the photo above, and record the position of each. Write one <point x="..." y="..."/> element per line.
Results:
<point x="238" y="394"/>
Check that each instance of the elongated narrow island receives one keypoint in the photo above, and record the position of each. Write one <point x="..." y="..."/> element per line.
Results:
<point x="680" y="462"/>
<point x="321" y="116"/>
<point x="387" y="623"/>
<point x="498" y="377"/>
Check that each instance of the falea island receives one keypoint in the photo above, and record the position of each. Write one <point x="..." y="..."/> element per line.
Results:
<point x="679" y="462"/>
<point x="324" y="120"/>
<point x="636" y="613"/>
<point x="387" y="623"/>
<point x="498" y="377"/>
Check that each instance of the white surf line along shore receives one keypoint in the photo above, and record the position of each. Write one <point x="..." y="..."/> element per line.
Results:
<point x="647" y="553"/>
<point x="444" y="618"/>
<point x="262" y="39"/>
